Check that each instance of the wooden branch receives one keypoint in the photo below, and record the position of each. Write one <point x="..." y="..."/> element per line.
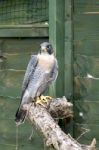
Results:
<point x="42" y="118"/>
<point x="59" y="108"/>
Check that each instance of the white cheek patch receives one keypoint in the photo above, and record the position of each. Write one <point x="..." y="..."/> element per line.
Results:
<point x="43" y="47"/>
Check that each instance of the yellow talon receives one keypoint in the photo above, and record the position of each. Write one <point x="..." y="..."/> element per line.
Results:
<point x="43" y="99"/>
<point x="38" y="101"/>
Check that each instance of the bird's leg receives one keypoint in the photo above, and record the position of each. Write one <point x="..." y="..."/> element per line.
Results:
<point x="43" y="99"/>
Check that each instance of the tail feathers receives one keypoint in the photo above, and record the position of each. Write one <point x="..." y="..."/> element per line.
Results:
<point x="20" y="116"/>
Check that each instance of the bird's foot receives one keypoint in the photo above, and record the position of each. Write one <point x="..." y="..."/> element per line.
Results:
<point x="43" y="100"/>
<point x="38" y="101"/>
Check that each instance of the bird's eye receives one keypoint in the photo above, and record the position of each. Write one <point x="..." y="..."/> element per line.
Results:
<point x="48" y="46"/>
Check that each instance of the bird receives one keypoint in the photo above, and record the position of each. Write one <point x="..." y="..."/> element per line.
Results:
<point x="41" y="71"/>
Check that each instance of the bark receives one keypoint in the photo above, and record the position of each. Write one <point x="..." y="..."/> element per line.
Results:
<point x="43" y="117"/>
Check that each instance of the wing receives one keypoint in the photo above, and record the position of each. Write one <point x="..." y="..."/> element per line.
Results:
<point x="29" y="71"/>
<point x="54" y="72"/>
<point x="21" y="113"/>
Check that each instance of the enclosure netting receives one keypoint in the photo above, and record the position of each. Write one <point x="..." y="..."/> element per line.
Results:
<point x="23" y="11"/>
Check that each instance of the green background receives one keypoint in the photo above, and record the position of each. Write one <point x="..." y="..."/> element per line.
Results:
<point x="74" y="33"/>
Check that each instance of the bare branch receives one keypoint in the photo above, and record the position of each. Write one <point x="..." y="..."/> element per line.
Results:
<point x="43" y="117"/>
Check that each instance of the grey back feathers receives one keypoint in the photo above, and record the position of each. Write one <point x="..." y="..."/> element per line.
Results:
<point x="38" y="77"/>
<point x="41" y="71"/>
<point x="29" y="72"/>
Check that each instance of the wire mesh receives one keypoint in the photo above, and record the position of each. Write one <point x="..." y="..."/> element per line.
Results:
<point x="23" y="11"/>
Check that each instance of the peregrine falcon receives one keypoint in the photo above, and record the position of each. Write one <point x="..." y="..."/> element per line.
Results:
<point x="41" y="71"/>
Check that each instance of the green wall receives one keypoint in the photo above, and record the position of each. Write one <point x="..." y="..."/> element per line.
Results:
<point x="86" y="69"/>
<point x="74" y="33"/>
<point x="17" y="53"/>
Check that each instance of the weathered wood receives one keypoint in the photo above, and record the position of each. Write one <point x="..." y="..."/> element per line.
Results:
<point x="53" y="134"/>
<point x="86" y="88"/>
<point x="86" y="6"/>
<point x="56" y="37"/>
<point x="21" y="45"/>
<point x="24" y="32"/>
<point x="68" y="50"/>
<point x="86" y="74"/>
<point x="86" y="47"/>
<point x="17" y="53"/>
<point x="68" y="54"/>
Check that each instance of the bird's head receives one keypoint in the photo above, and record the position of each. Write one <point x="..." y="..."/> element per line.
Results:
<point x="46" y="48"/>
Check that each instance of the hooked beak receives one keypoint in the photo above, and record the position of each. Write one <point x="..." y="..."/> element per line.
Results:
<point x="44" y="49"/>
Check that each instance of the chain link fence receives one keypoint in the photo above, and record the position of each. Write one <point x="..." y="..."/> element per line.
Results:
<point x="23" y="11"/>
